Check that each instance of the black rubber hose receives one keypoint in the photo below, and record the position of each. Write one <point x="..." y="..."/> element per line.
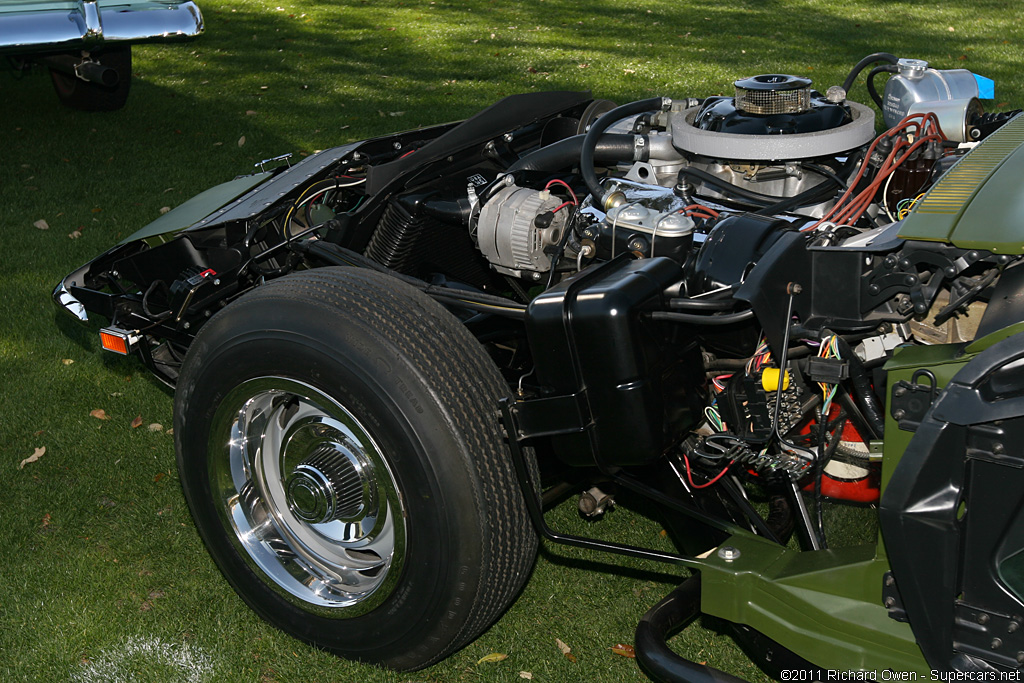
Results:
<point x="715" y="181"/>
<point x="863" y="393"/>
<point x="668" y="617"/>
<point x="566" y="153"/>
<point x="870" y="59"/>
<point x="683" y="304"/>
<point x="697" y="319"/>
<point x="595" y="133"/>
<point x="885" y="68"/>
<point x="809" y="197"/>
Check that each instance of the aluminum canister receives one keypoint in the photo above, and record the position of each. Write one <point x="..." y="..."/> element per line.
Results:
<point x="916" y="83"/>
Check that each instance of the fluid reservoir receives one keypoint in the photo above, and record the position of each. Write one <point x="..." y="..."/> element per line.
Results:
<point x="916" y="83"/>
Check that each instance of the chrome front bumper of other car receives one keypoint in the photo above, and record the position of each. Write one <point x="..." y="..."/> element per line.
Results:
<point x="88" y="24"/>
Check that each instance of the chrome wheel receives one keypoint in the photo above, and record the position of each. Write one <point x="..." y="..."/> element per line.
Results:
<point x="307" y="496"/>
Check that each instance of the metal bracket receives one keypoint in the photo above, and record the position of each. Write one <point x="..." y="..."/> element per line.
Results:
<point x="891" y="598"/>
<point x="273" y="160"/>
<point x="989" y="635"/>
<point x="911" y="400"/>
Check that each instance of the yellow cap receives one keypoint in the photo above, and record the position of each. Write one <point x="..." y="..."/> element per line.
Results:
<point x="770" y="379"/>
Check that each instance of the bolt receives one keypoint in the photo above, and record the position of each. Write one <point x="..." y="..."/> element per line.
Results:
<point x="983" y="618"/>
<point x="1013" y="626"/>
<point x="508" y="137"/>
<point x="396" y="144"/>
<point x="890" y="601"/>
<point x="998" y="448"/>
<point x="873" y="290"/>
<point x="728" y="553"/>
<point x="899" y="414"/>
<point x="187" y="325"/>
<point x="997" y="643"/>
<point x="889" y="581"/>
<point x="1020" y="657"/>
<point x="899" y="391"/>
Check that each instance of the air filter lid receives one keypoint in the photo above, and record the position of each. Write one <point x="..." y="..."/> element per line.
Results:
<point x="773" y="94"/>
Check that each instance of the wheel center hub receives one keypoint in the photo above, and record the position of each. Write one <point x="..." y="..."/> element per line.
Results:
<point x="327" y="486"/>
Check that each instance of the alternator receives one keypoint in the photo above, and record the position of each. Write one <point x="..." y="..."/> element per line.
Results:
<point x="510" y="234"/>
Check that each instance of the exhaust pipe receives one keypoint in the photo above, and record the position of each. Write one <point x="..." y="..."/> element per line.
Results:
<point x="83" y="68"/>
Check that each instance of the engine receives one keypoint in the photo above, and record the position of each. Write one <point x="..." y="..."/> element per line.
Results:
<point x="777" y="144"/>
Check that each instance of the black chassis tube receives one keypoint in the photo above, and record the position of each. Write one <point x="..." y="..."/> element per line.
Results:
<point x="668" y="617"/>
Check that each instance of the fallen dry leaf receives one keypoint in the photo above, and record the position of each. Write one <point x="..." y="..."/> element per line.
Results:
<point x="164" y="209"/>
<point x="46" y="520"/>
<point x="566" y="650"/>
<point x="41" y="224"/>
<point x="526" y="674"/>
<point x="75" y="234"/>
<point x="171" y="430"/>
<point x="159" y="476"/>
<point x="493" y="657"/>
<point x="156" y="427"/>
<point x="241" y="141"/>
<point x="68" y="361"/>
<point x="36" y="454"/>
<point x="99" y="414"/>
<point x="624" y="650"/>
<point x="250" y="112"/>
<point x="137" y="422"/>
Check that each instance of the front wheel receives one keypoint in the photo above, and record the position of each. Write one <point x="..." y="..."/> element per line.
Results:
<point x="339" y="448"/>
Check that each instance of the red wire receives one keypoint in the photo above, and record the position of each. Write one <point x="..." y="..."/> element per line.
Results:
<point x="689" y="474"/>
<point x="693" y="209"/>
<point x="566" y="186"/>
<point x="926" y="128"/>
<point x="562" y="206"/>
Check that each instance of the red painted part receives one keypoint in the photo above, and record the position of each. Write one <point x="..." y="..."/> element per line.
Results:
<point x="863" y="490"/>
<point x="856" y="491"/>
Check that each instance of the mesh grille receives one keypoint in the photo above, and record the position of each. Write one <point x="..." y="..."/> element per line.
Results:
<point x="773" y="101"/>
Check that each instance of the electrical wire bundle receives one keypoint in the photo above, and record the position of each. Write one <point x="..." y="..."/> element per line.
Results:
<point x="829" y="349"/>
<point x="762" y="356"/>
<point x="905" y="206"/>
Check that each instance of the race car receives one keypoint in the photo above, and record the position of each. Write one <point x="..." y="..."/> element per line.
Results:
<point x="389" y="357"/>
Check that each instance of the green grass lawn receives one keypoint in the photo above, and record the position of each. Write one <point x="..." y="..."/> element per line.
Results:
<point x="102" y="575"/>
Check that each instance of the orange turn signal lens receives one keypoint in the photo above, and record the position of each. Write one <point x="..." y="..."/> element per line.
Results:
<point x="117" y="340"/>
